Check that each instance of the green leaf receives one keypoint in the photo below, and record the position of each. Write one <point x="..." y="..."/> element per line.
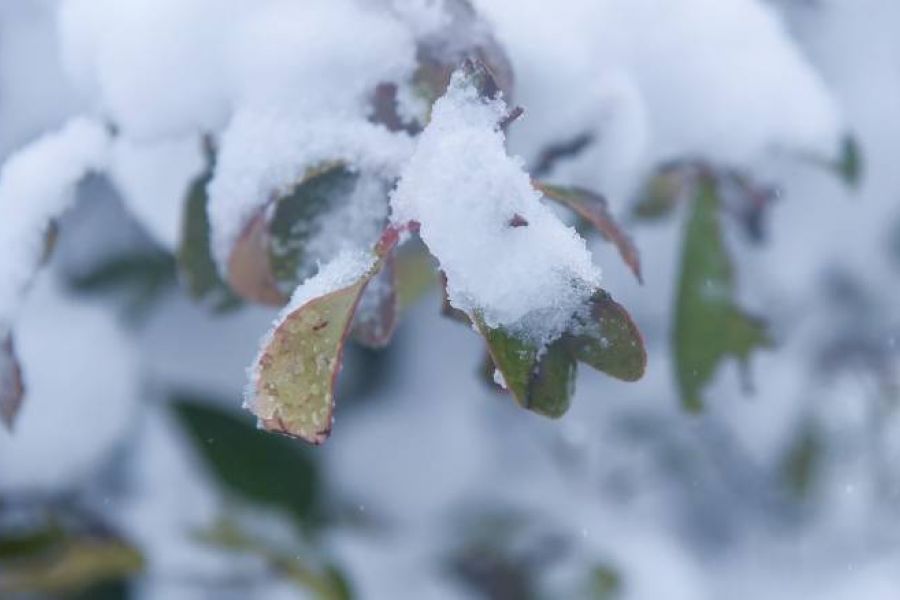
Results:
<point x="849" y="165"/>
<point x="141" y="277"/>
<point x="323" y="582"/>
<point x="292" y="224"/>
<point x="298" y="367"/>
<point x="709" y="327"/>
<point x="416" y="274"/>
<point x="595" y="210"/>
<point x="252" y="464"/>
<point x="71" y="563"/>
<point x="12" y="387"/>
<point x="196" y="267"/>
<point x="605" y="583"/>
<point x="802" y="462"/>
<point x="542" y="382"/>
<point x="661" y="193"/>
<point x="608" y="340"/>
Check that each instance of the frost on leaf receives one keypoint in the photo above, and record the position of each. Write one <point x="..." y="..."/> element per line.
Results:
<point x="291" y="389"/>
<point x="709" y="326"/>
<point x="12" y="388"/>
<point x="594" y="209"/>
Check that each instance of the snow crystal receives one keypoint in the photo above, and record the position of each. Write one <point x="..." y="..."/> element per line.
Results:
<point x="263" y="154"/>
<point x="37" y="184"/>
<point x="505" y="254"/>
<point x="344" y="270"/>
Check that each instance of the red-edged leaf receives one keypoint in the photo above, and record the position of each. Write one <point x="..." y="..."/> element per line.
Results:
<point x="12" y="388"/>
<point x="593" y="208"/>
<point x="376" y="314"/>
<point x="297" y="368"/>
<point x="249" y="268"/>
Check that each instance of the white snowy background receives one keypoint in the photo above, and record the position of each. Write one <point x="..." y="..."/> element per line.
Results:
<point x="681" y="506"/>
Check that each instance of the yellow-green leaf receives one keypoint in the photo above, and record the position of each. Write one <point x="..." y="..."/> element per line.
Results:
<point x="297" y="368"/>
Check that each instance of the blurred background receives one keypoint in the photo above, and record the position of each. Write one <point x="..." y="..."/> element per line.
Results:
<point x="131" y="471"/>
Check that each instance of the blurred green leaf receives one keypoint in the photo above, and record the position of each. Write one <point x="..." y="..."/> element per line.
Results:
<point x="605" y="583"/>
<point x="849" y="165"/>
<point x="661" y="193"/>
<point x="324" y="582"/>
<point x="140" y="277"/>
<point x="12" y="386"/>
<point x="708" y="325"/>
<point x="251" y="463"/>
<point x="802" y="461"/>
<point x="67" y="564"/>
<point x="196" y="266"/>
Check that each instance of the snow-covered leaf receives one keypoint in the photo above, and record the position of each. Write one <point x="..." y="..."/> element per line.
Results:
<point x="293" y="221"/>
<point x="594" y="208"/>
<point x="505" y="253"/>
<point x="12" y="388"/>
<point x="293" y="378"/>
<point x="608" y="340"/>
<point x="196" y="266"/>
<point x="464" y="39"/>
<point x="709" y="326"/>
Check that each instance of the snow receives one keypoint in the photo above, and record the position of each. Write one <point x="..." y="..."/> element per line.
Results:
<point x="80" y="367"/>
<point x="264" y="154"/>
<point x="468" y="196"/>
<point x="719" y="79"/>
<point x="153" y="179"/>
<point x="36" y="185"/>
